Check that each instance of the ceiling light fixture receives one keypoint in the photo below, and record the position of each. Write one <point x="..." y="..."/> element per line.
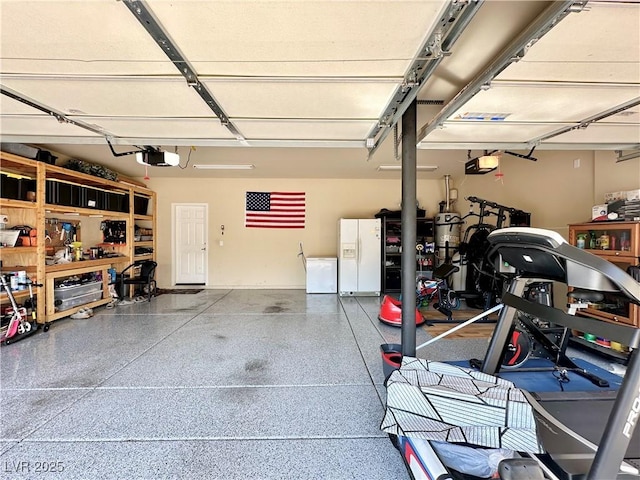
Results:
<point x="420" y="168"/>
<point x="214" y="166"/>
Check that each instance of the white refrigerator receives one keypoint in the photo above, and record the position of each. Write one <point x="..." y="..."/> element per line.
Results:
<point x="359" y="256"/>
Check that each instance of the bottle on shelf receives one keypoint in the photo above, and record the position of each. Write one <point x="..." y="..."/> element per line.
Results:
<point x="625" y="245"/>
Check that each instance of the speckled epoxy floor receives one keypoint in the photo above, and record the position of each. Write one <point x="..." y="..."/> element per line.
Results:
<point x="233" y="384"/>
<point x="221" y="384"/>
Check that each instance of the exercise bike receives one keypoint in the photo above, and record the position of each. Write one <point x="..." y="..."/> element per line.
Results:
<point x="21" y="324"/>
<point x="484" y="285"/>
<point x="531" y="337"/>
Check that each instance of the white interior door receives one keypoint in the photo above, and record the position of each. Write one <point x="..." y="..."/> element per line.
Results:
<point x="190" y="246"/>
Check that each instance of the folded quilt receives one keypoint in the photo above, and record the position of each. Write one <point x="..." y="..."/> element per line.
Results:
<point x="438" y="401"/>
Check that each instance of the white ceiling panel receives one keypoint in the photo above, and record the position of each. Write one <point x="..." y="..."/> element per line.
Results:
<point x="162" y="127"/>
<point x="40" y="125"/>
<point x="484" y="38"/>
<point x="629" y="115"/>
<point x="143" y="97"/>
<point x="350" y="100"/>
<point x="9" y="106"/>
<point x="300" y="130"/>
<point x="77" y="37"/>
<point x="494" y="132"/>
<point x="546" y="103"/>
<point x="335" y="38"/>
<point x="315" y="73"/>
<point x="599" y="44"/>
<point x="601" y="133"/>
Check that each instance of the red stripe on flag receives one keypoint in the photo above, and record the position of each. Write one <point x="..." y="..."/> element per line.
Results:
<point x="275" y="210"/>
<point x="274" y="226"/>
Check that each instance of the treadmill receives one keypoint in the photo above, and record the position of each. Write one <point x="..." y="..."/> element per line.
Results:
<point x="589" y="434"/>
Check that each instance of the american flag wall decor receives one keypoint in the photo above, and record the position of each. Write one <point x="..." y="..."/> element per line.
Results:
<point x="274" y="210"/>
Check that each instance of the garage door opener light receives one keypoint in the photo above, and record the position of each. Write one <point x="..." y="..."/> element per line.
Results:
<point x="158" y="158"/>
<point x="481" y="165"/>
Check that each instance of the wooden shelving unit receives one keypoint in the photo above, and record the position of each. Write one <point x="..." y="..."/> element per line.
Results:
<point x="622" y="255"/>
<point x="35" y="213"/>
<point x="621" y="249"/>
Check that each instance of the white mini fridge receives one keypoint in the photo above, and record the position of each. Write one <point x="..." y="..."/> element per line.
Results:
<point x="322" y="275"/>
<point x="359" y="256"/>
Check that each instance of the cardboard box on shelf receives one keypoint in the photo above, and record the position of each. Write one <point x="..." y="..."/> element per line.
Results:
<point x="633" y="194"/>
<point x="613" y="196"/>
<point x="599" y="212"/>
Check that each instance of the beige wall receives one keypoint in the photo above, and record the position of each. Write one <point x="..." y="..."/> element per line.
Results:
<point x="611" y="176"/>
<point x="552" y="189"/>
<point x="269" y="258"/>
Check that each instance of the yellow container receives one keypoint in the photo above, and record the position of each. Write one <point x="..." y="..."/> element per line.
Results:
<point x="617" y="346"/>
<point x="77" y="250"/>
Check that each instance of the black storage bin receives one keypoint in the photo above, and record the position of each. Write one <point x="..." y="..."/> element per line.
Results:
<point x="79" y="196"/>
<point x="46" y="157"/>
<point x="90" y="197"/>
<point x="51" y="192"/>
<point x="117" y="202"/>
<point x="102" y="199"/>
<point x="140" y="205"/>
<point x="10" y="187"/>
<point x="16" y="188"/>
<point x="112" y="202"/>
<point x="64" y="194"/>
<point x="26" y="185"/>
<point x="124" y="203"/>
<point x="70" y="195"/>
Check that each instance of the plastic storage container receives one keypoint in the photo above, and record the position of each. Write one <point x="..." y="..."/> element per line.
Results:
<point x="79" y="300"/>
<point x="66" y="293"/>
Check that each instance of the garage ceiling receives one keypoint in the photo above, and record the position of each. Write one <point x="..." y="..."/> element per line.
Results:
<point x="261" y="76"/>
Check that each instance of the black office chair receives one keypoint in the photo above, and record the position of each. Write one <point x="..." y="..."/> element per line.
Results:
<point x="145" y="280"/>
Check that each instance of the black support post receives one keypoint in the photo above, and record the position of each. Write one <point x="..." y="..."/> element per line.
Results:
<point x="409" y="213"/>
